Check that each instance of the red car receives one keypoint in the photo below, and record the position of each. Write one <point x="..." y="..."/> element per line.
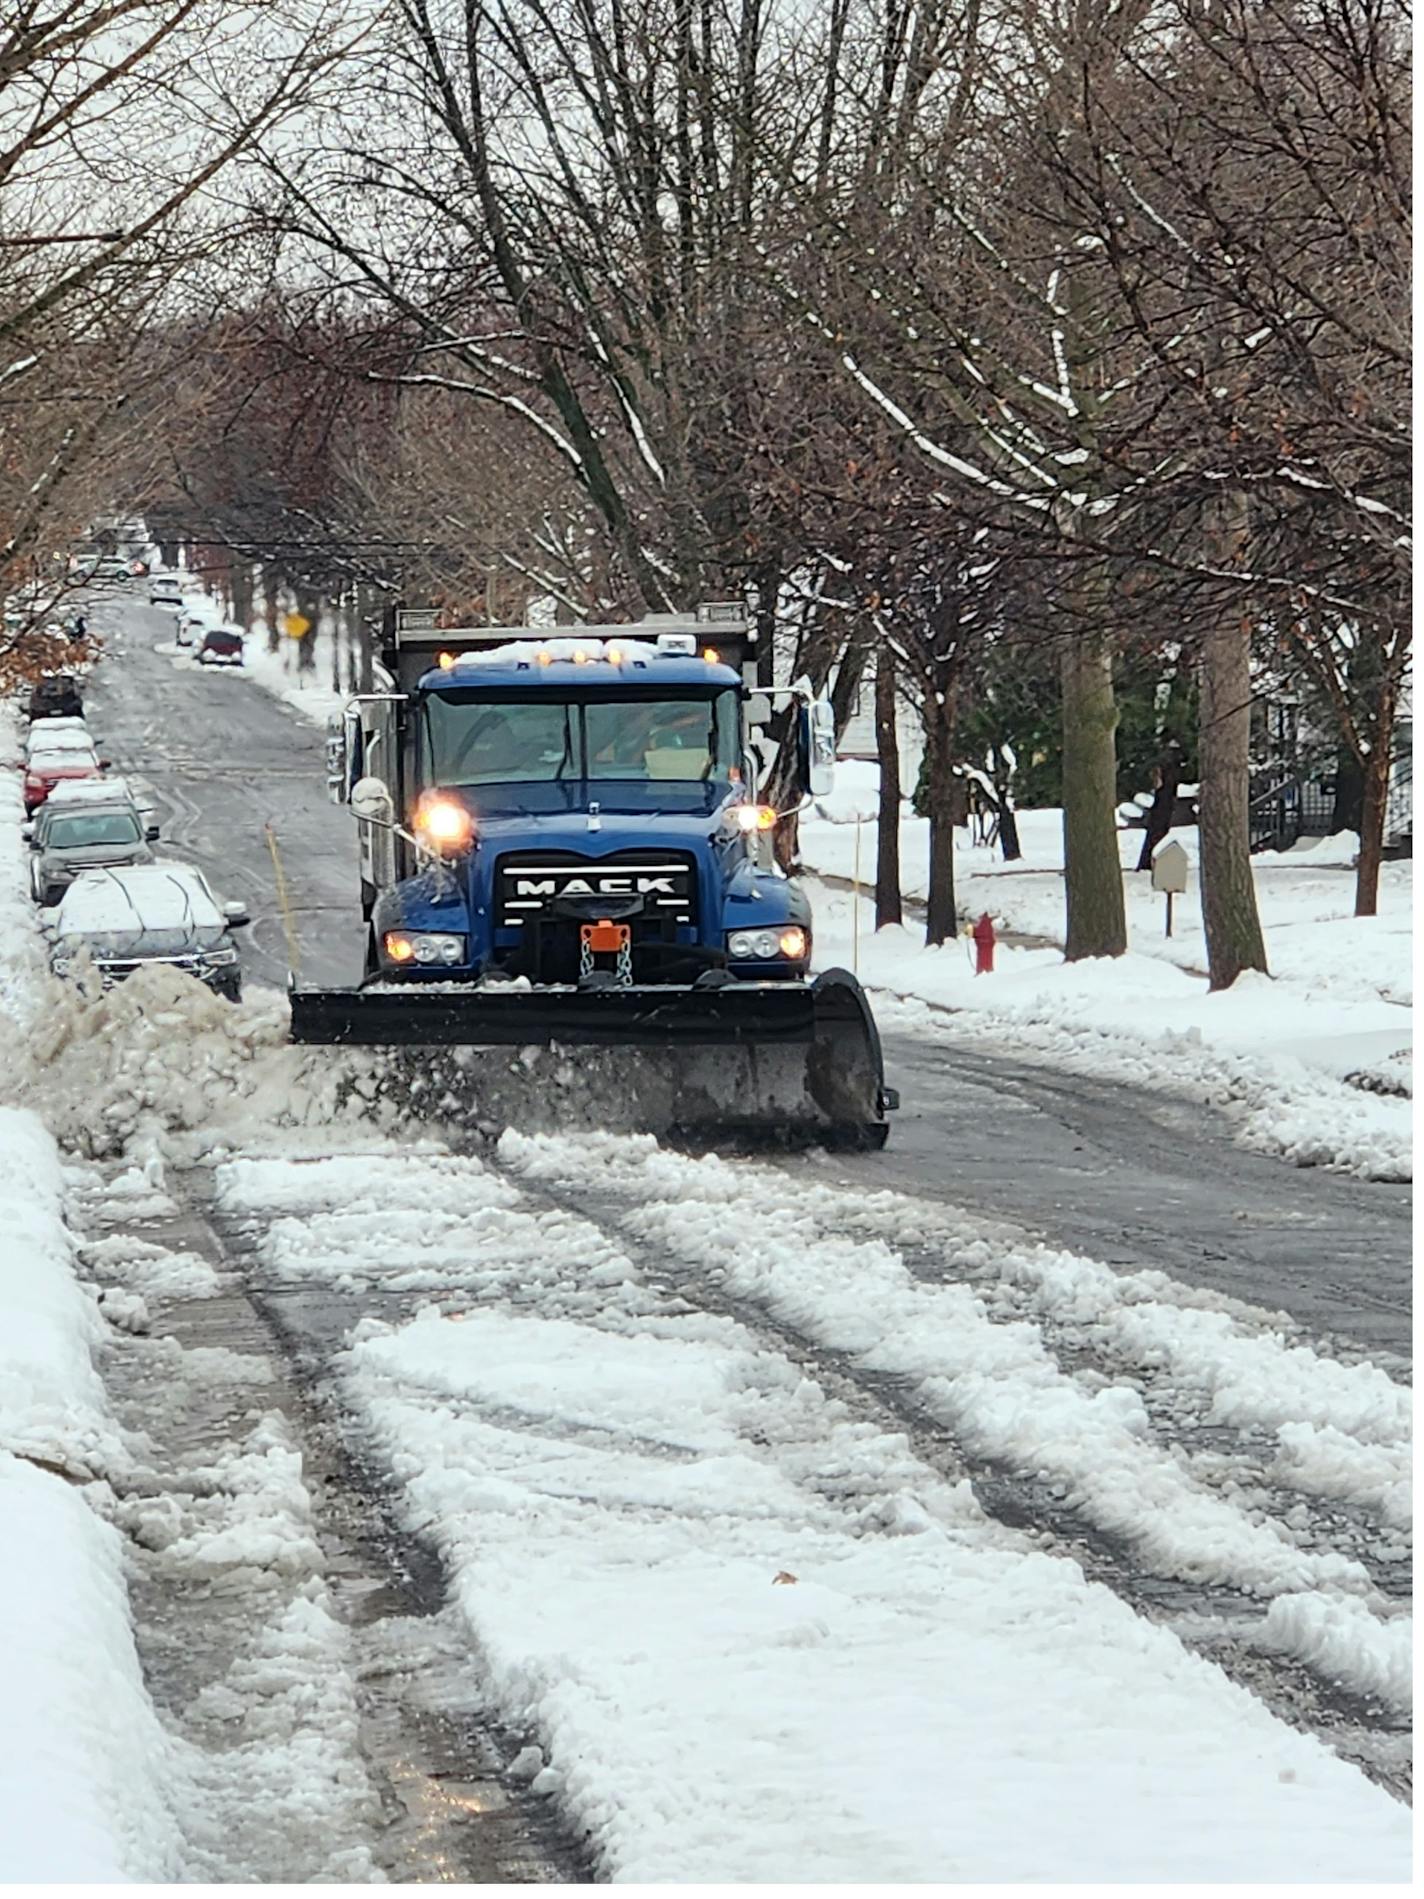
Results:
<point x="47" y="769"/>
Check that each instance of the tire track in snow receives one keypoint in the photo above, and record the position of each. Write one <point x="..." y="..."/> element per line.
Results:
<point x="326" y="1719"/>
<point x="1225" y="1623"/>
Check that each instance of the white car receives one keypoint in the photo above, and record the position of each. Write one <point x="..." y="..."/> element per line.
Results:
<point x="58" y="735"/>
<point x="192" y="625"/>
<point x="147" y="913"/>
<point x="165" y="590"/>
<point x="105" y="791"/>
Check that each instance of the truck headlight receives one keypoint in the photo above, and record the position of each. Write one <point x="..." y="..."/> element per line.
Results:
<point x="425" y="947"/>
<point x="765" y="946"/>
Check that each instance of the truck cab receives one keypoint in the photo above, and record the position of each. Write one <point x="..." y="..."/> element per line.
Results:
<point x="576" y="809"/>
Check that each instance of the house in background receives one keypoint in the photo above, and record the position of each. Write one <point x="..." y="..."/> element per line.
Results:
<point x="858" y="738"/>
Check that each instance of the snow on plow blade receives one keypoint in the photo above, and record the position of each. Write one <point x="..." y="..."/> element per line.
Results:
<point x="769" y="1062"/>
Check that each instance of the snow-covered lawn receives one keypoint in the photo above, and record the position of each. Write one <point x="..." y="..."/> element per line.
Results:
<point x="1275" y="1049"/>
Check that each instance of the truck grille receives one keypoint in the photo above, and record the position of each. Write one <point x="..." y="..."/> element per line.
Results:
<point x="528" y="884"/>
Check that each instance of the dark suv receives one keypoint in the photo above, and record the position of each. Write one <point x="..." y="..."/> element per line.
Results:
<point x="56" y="697"/>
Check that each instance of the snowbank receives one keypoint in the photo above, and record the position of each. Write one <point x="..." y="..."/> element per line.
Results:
<point x="83" y="1758"/>
<point x="1275" y="1051"/>
<point x="22" y="967"/>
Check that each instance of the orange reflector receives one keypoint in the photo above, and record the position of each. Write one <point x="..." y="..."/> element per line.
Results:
<point x="711" y="655"/>
<point x="793" y="943"/>
<point x="605" y="936"/>
<point x="756" y="817"/>
<point x="447" y="660"/>
<point x="400" y="949"/>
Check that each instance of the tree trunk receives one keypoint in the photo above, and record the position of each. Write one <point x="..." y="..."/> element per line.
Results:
<point x="1092" y="875"/>
<point x="365" y="614"/>
<point x="1228" y="887"/>
<point x="242" y="594"/>
<point x="1348" y="812"/>
<point x="271" y="582"/>
<point x="1375" y="803"/>
<point x="1009" y="832"/>
<point x="1164" y="801"/>
<point x="887" y="838"/>
<point x="309" y="607"/>
<point x="942" y="918"/>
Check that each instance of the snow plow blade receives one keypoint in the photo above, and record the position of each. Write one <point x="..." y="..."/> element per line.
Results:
<point x="771" y="1063"/>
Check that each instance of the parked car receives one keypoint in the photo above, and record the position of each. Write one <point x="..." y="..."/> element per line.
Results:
<point x="113" y="567"/>
<point x="58" y="735"/>
<point x="192" y="625"/>
<point x="222" y="646"/>
<point x="147" y="913"/>
<point x="57" y="695"/>
<point x="47" y="769"/>
<point x="106" y="790"/>
<point x="165" y="590"/>
<point x="68" y="839"/>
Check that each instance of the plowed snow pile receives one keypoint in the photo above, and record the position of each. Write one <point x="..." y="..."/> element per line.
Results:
<point x="161" y="1056"/>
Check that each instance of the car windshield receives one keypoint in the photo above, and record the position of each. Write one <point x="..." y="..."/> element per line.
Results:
<point x="139" y="941"/>
<point x="536" y="738"/>
<point x="92" y="827"/>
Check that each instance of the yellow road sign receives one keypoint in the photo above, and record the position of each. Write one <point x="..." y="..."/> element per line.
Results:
<point x="295" y="625"/>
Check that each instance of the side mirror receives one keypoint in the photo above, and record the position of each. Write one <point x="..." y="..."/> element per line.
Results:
<point x="817" y="747"/>
<point x="336" y="759"/>
<point x="105" y="764"/>
<point x="150" y="833"/>
<point x="236" y="913"/>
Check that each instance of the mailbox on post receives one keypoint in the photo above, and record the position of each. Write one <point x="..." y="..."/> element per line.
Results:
<point x="1169" y="874"/>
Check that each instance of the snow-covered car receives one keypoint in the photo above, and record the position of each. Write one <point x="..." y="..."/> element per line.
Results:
<point x="58" y="735"/>
<point x="45" y="770"/>
<point x="106" y="790"/>
<point x="147" y="913"/>
<point x="222" y="646"/>
<point x="192" y="625"/>
<point x="165" y="590"/>
<point x="68" y="839"/>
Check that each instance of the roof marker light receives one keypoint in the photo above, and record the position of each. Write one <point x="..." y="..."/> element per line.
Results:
<point x="447" y="660"/>
<point x="711" y="655"/>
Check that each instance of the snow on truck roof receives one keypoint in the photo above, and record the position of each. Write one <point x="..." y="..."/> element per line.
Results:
<point x="139" y="896"/>
<point x="676" y="660"/>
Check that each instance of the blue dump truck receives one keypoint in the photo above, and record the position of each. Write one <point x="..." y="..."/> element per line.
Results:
<point x="561" y="845"/>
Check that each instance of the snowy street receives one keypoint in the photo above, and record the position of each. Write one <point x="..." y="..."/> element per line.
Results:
<point x="562" y="1507"/>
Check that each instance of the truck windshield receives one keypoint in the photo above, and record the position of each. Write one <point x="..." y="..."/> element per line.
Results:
<point x="536" y="738"/>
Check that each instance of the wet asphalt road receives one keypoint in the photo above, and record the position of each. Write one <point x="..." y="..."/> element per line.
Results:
<point x="1133" y="1178"/>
